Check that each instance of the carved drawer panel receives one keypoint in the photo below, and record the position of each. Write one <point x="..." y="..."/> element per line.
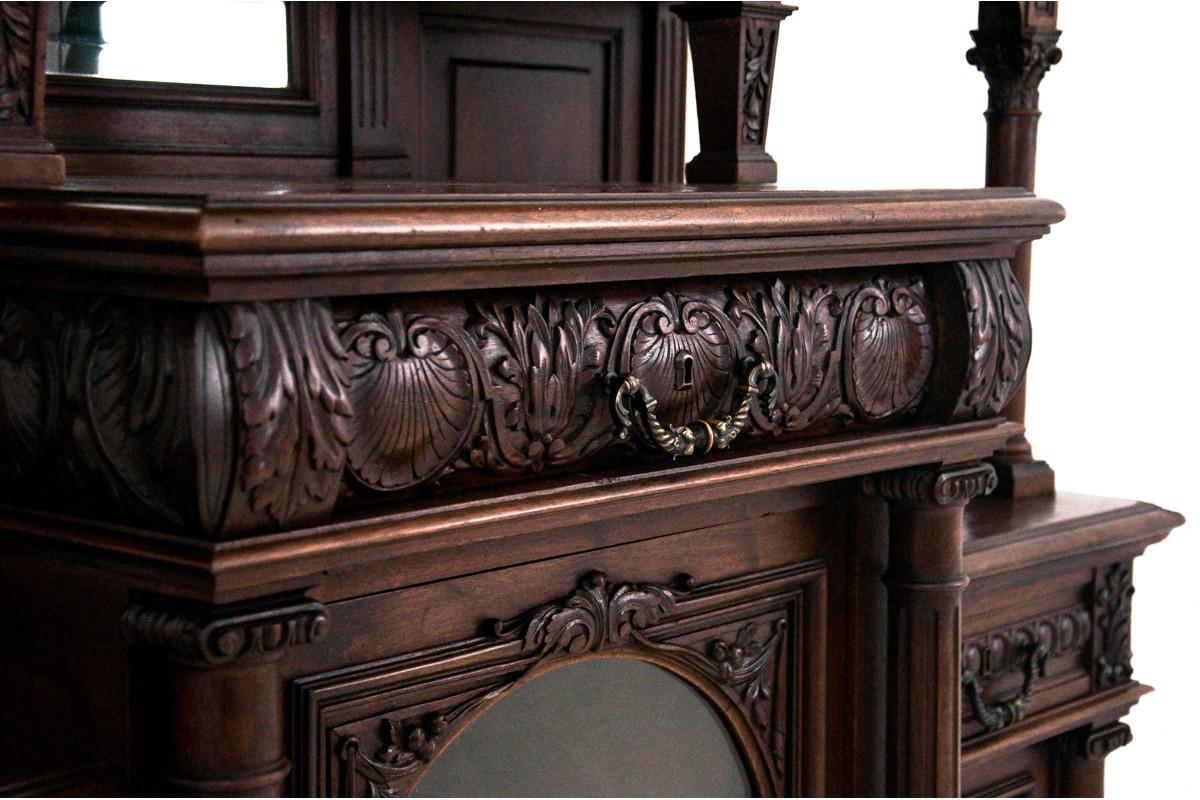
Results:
<point x="754" y="646"/>
<point x="238" y="418"/>
<point x="1037" y="644"/>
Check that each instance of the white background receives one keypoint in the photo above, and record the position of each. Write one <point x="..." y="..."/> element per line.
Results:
<point x="879" y="95"/>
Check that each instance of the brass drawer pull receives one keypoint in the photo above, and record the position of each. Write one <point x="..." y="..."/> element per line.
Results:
<point x="633" y="409"/>
<point x="1005" y="713"/>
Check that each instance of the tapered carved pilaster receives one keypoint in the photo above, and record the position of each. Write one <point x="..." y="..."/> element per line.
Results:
<point x="925" y="582"/>
<point x="1015" y="45"/>
<point x="733" y="57"/>
<point x="212" y="659"/>
<point x="26" y="158"/>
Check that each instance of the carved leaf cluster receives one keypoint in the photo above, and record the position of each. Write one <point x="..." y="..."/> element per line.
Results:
<point x="1113" y="602"/>
<point x="1014" y="66"/>
<point x="294" y="405"/>
<point x="16" y="60"/>
<point x="756" y="84"/>
<point x="1000" y="334"/>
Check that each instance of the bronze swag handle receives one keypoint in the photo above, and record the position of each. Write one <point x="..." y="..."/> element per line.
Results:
<point x="633" y="409"/>
<point x="1005" y="713"/>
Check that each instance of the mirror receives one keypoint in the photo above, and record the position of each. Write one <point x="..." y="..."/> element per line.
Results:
<point x="598" y="728"/>
<point x="214" y="42"/>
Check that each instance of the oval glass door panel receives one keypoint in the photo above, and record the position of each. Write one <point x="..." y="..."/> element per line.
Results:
<point x="599" y="728"/>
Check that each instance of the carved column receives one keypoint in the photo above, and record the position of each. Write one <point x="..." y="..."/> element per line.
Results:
<point x="1015" y="45"/>
<point x="1081" y="770"/>
<point x="733" y="59"/>
<point x="26" y="158"/>
<point x="221" y="701"/>
<point x="925" y="582"/>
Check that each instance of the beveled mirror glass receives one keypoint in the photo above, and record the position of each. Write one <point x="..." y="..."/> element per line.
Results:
<point x="599" y="728"/>
<point x="213" y="42"/>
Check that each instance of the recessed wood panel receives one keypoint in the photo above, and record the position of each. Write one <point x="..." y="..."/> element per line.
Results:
<point x="564" y="104"/>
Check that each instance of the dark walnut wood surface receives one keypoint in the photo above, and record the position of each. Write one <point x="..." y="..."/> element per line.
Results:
<point x="214" y="240"/>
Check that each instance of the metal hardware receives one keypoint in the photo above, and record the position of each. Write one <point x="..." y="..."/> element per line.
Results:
<point x="1005" y="713"/>
<point x="633" y="409"/>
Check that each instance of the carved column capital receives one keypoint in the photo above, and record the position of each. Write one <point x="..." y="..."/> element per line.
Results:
<point x="1015" y="45"/>
<point x="934" y="485"/>
<point x="212" y="637"/>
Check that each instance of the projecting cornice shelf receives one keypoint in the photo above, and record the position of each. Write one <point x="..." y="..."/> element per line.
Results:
<point x="222" y="240"/>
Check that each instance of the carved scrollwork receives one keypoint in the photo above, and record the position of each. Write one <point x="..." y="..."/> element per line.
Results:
<point x="1000" y="333"/>
<point x="795" y="329"/>
<point x="415" y="379"/>
<point x="551" y="356"/>
<point x="682" y="350"/>
<point x="1113" y="602"/>
<point x="16" y="61"/>
<point x="888" y="348"/>
<point x="597" y="616"/>
<point x="933" y="486"/>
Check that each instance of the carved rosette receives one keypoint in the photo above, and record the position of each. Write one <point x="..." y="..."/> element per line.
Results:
<point x="1113" y="602"/>
<point x="598" y="616"/>
<point x="888" y="348"/>
<point x="416" y="379"/>
<point x="211" y="637"/>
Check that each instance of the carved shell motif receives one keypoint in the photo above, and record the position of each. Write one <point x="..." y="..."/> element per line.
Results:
<point x="683" y="351"/>
<point x="888" y="348"/>
<point x="416" y="384"/>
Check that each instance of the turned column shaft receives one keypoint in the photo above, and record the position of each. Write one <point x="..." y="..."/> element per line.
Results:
<point x="925" y="582"/>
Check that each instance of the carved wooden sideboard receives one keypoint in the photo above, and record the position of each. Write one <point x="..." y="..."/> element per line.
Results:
<point x="307" y="478"/>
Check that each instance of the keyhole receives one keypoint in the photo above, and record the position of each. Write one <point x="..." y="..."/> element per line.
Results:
<point x="683" y="371"/>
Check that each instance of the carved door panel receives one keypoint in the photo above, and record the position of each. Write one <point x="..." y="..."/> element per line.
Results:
<point x="751" y="648"/>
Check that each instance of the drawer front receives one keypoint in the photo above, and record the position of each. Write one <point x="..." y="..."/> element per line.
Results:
<point x="1033" y="641"/>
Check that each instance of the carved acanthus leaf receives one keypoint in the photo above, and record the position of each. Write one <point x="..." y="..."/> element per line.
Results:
<point x="1113" y="602"/>
<point x="290" y="374"/>
<point x="999" y="329"/>
<point x="551" y="354"/>
<point x="756" y="82"/>
<point x="795" y="329"/>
